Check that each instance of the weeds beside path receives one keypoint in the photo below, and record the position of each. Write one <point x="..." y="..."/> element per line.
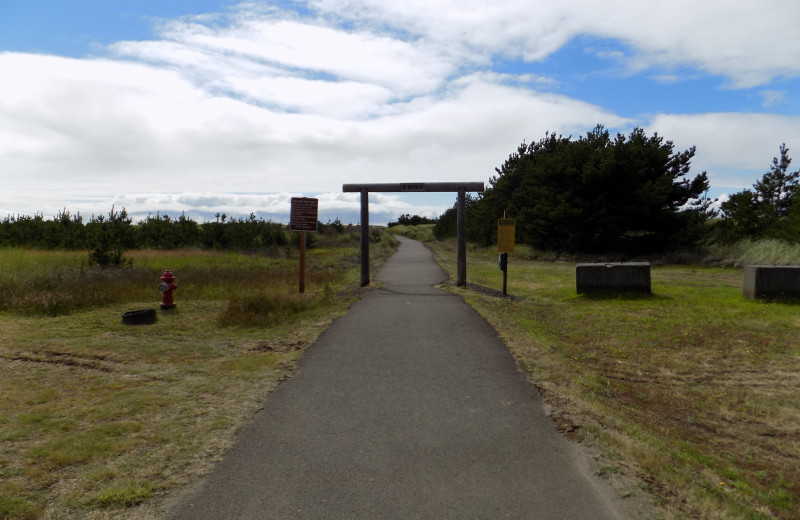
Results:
<point x="694" y="389"/>
<point x="104" y="420"/>
<point x="100" y="416"/>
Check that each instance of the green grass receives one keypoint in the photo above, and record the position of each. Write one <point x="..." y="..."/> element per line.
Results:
<point x="104" y="420"/>
<point x="747" y="251"/>
<point x="58" y="283"/>
<point x="695" y="385"/>
<point x="152" y="403"/>
<point x="423" y="232"/>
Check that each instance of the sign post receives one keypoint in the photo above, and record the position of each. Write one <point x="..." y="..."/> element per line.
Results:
<point x="506" y="228"/>
<point x="303" y="217"/>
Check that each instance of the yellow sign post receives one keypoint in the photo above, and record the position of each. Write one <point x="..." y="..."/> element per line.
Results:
<point x="505" y="244"/>
<point x="505" y="235"/>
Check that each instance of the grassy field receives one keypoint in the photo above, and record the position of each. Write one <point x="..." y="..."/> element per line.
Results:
<point x="104" y="420"/>
<point x="695" y="390"/>
<point x="423" y="232"/>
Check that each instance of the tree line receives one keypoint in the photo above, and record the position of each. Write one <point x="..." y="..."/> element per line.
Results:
<point x="108" y="236"/>
<point x="411" y="220"/>
<point x="627" y="195"/>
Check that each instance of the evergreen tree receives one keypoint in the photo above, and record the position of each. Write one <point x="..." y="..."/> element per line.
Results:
<point x="771" y="209"/>
<point x="630" y="194"/>
<point x="109" y="238"/>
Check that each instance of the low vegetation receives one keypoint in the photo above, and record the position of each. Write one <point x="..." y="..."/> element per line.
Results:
<point x="422" y="232"/>
<point x="693" y="389"/>
<point x="105" y="420"/>
<point x="116" y="232"/>
<point x="411" y="220"/>
<point x="752" y="252"/>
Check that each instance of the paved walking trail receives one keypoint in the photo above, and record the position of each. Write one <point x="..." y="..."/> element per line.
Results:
<point x="407" y="407"/>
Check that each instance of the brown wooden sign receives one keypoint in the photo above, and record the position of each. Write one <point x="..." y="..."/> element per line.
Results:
<point x="303" y="216"/>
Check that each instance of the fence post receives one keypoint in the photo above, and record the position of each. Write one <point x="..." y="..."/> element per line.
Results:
<point x="461" y="233"/>
<point x="364" y="238"/>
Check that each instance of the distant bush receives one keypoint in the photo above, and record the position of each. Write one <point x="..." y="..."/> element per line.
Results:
<point x="411" y="220"/>
<point x="107" y="237"/>
<point x="423" y="232"/>
<point x="331" y="227"/>
<point x="65" y="231"/>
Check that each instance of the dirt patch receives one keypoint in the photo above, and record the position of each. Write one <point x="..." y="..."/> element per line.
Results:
<point x="62" y="358"/>
<point x="277" y="345"/>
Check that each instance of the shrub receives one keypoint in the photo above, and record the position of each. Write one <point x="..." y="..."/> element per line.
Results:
<point x="267" y="308"/>
<point x="108" y="238"/>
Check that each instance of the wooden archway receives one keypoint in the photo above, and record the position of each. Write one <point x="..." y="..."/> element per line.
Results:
<point x="406" y="187"/>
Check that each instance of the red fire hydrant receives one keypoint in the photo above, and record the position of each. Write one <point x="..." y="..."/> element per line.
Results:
<point x="166" y="287"/>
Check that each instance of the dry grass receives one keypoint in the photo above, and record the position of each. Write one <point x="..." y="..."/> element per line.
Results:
<point x="748" y="251"/>
<point x="695" y="389"/>
<point x="99" y="416"/>
<point x="104" y="420"/>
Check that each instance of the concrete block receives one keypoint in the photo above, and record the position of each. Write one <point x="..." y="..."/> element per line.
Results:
<point x="771" y="281"/>
<point x="614" y="277"/>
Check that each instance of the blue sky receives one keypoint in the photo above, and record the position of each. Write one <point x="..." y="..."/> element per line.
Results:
<point x="224" y="106"/>
<point x="80" y="28"/>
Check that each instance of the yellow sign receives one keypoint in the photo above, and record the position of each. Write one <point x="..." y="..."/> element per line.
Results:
<point x="505" y="235"/>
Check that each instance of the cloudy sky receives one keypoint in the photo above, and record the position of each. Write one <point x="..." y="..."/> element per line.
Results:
<point x="205" y="106"/>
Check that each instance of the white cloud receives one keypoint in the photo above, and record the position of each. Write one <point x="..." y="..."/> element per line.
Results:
<point x="667" y="78"/>
<point x="202" y="207"/>
<point x="730" y="146"/>
<point x="252" y="52"/>
<point x="264" y="100"/>
<point x="747" y="42"/>
<point x="772" y="97"/>
<point x="115" y="127"/>
<point x="340" y="100"/>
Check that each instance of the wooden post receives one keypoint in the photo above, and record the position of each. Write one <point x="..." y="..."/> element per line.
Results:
<point x="303" y="217"/>
<point x="505" y="274"/>
<point x="364" y="237"/>
<point x="302" y="262"/>
<point x="461" y="233"/>
<point x="505" y="267"/>
<point x="505" y="245"/>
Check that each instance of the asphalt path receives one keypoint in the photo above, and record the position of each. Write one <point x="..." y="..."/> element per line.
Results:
<point x="409" y="406"/>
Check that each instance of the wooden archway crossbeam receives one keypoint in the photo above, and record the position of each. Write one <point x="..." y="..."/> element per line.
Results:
<point x="410" y="187"/>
